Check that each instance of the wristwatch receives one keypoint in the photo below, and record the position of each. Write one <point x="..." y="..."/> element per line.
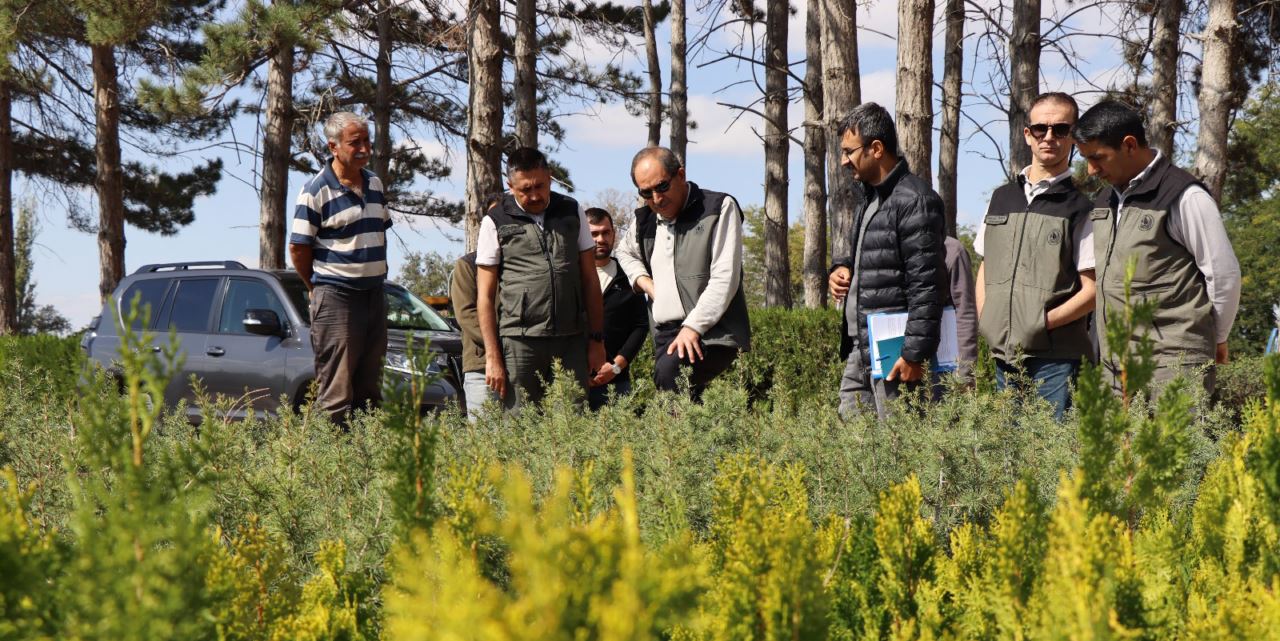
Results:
<point x="616" y="370"/>
<point x="596" y="336"/>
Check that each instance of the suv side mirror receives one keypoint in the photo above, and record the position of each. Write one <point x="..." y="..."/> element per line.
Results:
<point x="263" y="322"/>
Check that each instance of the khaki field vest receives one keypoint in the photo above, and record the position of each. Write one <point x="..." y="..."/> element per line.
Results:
<point x="1029" y="268"/>
<point x="539" y="282"/>
<point x="693" y="236"/>
<point x="1183" y="327"/>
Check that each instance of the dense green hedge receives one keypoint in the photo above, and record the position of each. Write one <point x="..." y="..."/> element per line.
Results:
<point x="48" y="362"/>
<point x="794" y="357"/>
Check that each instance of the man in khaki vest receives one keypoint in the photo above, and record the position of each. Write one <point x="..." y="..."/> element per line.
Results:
<point x="1035" y="283"/>
<point x="684" y="251"/>
<point x="537" y="297"/>
<point x="1162" y="218"/>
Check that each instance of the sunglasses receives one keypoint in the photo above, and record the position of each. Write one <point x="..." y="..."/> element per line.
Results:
<point x="660" y="188"/>
<point x="1060" y="130"/>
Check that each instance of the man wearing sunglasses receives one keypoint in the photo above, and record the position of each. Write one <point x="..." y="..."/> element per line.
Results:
<point x="684" y="251"/>
<point x="1161" y="218"/>
<point x="1035" y="283"/>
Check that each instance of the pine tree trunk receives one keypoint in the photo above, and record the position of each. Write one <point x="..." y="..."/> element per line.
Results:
<point x="949" y="137"/>
<point x="484" y="112"/>
<point x="841" y="92"/>
<point x="109" y="181"/>
<point x="655" y="76"/>
<point x="526" y="79"/>
<point x="679" y="90"/>
<point x="777" y="145"/>
<point x="8" y="264"/>
<point x="382" y="95"/>
<point x="1215" y="94"/>
<point x="815" y="150"/>
<point x="1164" y="75"/>
<point x="1024" y="78"/>
<point x="915" y="86"/>
<point x="276" y="151"/>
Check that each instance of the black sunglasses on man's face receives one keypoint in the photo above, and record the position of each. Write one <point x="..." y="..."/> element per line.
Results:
<point x="660" y="188"/>
<point x="1060" y="130"/>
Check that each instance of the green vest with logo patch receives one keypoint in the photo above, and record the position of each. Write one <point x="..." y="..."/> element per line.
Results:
<point x="1030" y="268"/>
<point x="1165" y="271"/>
<point x="539" y="277"/>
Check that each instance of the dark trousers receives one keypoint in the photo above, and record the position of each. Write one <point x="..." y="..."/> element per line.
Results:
<point x="529" y="360"/>
<point x="349" y="337"/>
<point x="667" y="368"/>
<point x="598" y="397"/>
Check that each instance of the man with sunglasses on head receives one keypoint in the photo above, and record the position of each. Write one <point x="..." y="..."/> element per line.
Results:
<point x="1036" y="280"/>
<point x="896" y="266"/>
<point x="684" y="251"/>
<point x="1161" y="218"/>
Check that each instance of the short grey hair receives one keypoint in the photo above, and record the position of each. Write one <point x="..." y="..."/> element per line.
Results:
<point x="668" y="159"/>
<point x="339" y="121"/>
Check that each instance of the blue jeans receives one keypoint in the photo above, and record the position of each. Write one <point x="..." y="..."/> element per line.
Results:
<point x="597" y="397"/>
<point x="1052" y="378"/>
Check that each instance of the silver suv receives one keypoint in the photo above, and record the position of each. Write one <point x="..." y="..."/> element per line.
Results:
<point x="246" y="333"/>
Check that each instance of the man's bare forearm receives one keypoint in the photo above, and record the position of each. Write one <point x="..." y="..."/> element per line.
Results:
<point x="302" y="259"/>
<point x="1076" y="307"/>
<point x="486" y="309"/>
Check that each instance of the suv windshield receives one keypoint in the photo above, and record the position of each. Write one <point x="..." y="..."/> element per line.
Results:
<point x="406" y="311"/>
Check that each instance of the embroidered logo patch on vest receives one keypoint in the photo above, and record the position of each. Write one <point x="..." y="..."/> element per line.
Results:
<point x="1146" y="222"/>
<point x="1055" y="237"/>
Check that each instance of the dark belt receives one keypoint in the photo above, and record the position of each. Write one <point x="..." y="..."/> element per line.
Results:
<point x="669" y="325"/>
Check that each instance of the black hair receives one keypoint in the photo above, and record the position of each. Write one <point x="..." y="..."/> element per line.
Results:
<point x="871" y="122"/>
<point x="667" y="158"/>
<point x="1109" y="122"/>
<point x="526" y="159"/>
<point x="596" y="215"/>
<point x="1059" y="97"/>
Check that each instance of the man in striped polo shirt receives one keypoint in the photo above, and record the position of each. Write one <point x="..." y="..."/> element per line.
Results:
<point x="339" y="248"/>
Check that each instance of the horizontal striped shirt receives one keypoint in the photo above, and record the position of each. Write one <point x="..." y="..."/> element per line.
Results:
<point x="346" y="230"/>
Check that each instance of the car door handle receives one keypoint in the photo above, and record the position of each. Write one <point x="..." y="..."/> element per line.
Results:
<point x="215" y="351"/>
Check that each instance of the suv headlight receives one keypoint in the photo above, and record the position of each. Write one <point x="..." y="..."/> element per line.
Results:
<point x="399" y="362"/>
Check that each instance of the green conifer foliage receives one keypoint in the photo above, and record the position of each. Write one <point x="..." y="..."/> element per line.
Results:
<point x="140" y="520"/>
<point x="857" y="609"/>
<point x="573" y="575"/>
<point x="767" y="582"/>
<point x="1090" y="590"/>
<point x="1131" y="459"/>
<point x="413" y="453"/>
<point x="29" y="556"/>
<point x="907" y="549"/>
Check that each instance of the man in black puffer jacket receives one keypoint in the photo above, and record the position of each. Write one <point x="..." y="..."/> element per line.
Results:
<point x="897" y="263"/>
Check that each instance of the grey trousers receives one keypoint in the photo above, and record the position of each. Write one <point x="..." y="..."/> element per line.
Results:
<point x="1206" y="374"/>
<point x="529" y="359"/>
<point x="859" y="393"/>
<point x="477" y="393"/>
<point x="349" y="337"/>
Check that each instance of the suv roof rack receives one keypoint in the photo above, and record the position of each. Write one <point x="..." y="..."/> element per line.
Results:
<point x="155" y="267"/>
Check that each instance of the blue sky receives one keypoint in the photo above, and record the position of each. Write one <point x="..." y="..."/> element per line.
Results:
<point x="599" y="142"/>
